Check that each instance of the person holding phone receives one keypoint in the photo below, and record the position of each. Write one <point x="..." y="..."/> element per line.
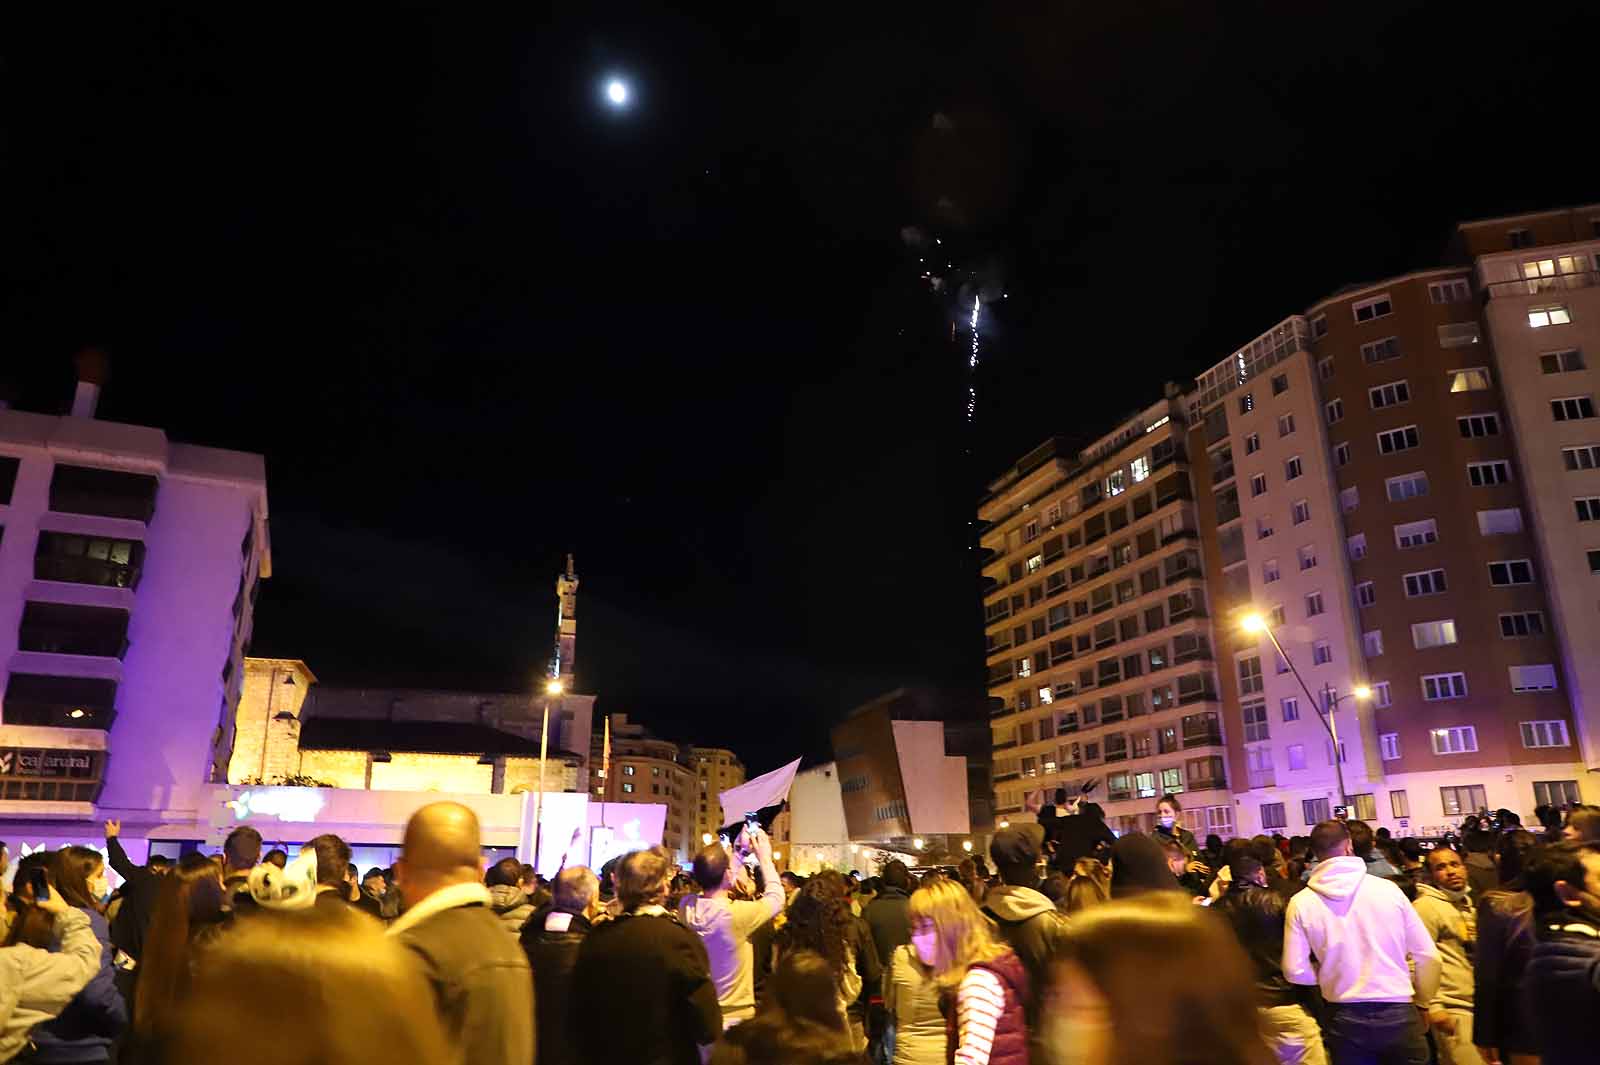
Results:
<point x="94" y="1019"/>
<point x="37" y="984"/>
<point x="725" y="924"/>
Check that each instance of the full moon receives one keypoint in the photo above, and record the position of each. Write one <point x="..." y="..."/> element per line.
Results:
<point x="617" y="92"/>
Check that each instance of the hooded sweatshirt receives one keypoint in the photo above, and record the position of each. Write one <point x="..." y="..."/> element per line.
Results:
<point x="1452" y="921"/>
<point x="725" y="926"/>
<point x="1362" y="930"/>
<point x="1030" y="923"/>
<point x="512" y="905"/>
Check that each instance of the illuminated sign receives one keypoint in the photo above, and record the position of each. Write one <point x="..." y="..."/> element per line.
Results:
<point x="33" y="762"/>
<point x="286" y="804"/>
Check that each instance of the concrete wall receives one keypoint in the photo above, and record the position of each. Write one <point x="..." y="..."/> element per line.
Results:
<point x="816" y="808"/>
<point x="936" y="785"/>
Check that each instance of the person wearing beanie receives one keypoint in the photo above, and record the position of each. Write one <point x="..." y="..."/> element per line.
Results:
<point x="1138" y="865"/>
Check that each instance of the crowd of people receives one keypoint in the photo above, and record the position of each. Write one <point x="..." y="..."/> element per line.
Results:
<point x="1079" y="948"/>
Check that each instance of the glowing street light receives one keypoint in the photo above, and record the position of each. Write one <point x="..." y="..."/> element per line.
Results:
<point x="777" y="856"/>
<point x="617" y="92"/>
<point x="554" y="687"/>
<point x="705" y="839"/>
<point x="917" y="843"/>
<point x="966" y="845"/>
<point x="1005" y="824"/>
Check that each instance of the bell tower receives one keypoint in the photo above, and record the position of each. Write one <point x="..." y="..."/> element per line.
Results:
<point x="566" y="650"/>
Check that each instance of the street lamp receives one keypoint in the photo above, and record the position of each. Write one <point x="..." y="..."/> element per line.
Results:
<point x="966" y="845"/>
<point x="917" y="843"/>
<point x="553" y="689"/>
<point x="1255" y="624"/>
<point x="705" y="839"/>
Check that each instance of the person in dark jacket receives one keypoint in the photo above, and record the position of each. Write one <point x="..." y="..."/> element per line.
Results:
<point x="140" y="885"/>
<point x="1482" y="874"/>
<point x="886" y="914"/>
<point x="1288" y="1011"/>
<point x="1168" y="812"/>
<point x="479" y="975"/>
<point x="1138" y="865"/>
<point x="552" y="938"/>
<point x="1500" y="960"/>
<point x="642" y="990"/>
<point x="241" y="852"/>
<point x="91" y="1023"/>
<point x="1080" y="835"/>
<point x="1563" y="974"/>
<point x="1025" y="918"/>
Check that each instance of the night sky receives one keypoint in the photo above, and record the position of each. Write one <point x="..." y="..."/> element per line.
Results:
<point x="475" y="319"/>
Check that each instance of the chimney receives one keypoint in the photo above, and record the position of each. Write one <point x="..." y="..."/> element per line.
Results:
<point x="92" y="367"/>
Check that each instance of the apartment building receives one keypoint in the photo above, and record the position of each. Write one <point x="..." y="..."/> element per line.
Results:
<point x="1537" y="283"/>
<point x="1269" y="510"/>
<point x="1100" y="662"/>
<point x="129" y="566"/>
<point x="651" y="770"/>
<point x="717" y="770"/>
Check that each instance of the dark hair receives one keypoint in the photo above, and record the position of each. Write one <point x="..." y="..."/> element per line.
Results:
<point x="374" y="871"/>
<point x="896" y="875"/>
<point x="1548" y="816"/>
<point x="819" y="920"/>
<point x="1478" y="842"/>
<point x="1512" y="857"/>
<point x="1235" y="849"/>
<point x="1361" y="837"/>
<point x="711" y="866"/>
<point x="1549" y="865"/>
<point x="31" y="926"/>
<point x="70" y="872"/>
<point x="507" y="872"/>
<point x="1262" y="850"/>
<point x="333" y="856"/>
<point x="1585" y="821"/>
<point x="801" y="1020"/>
<point x="242" y="850"/>
<point x="1171" y="846"/>
<point x="805" y="987"/>
<point x="1328" y="837"/>
<point x="158" y="861"/>
<point x="1213" y="843"/>
<point x="1383" y="832"/>
<point x="1172" y="801"/>
<point x="277" y="857"/>
<point x="1244" y="867"/>
<point x="189" y="901"/>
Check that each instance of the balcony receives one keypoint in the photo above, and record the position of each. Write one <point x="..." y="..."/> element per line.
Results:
<point x="1008" y="745"/>
<point x="93" y="560"/>
<point x="1001" y="778"/>
<point x="60" y="702"/>
<point x="1532" y="286"/>
<point x="103" y="493"/>
<point x="71" y="629"/>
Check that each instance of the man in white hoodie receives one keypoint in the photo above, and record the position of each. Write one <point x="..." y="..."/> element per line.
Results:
<point x="1375" y="961"/>
<point x="725" y="924"/>
<point x="1444" y="903"/>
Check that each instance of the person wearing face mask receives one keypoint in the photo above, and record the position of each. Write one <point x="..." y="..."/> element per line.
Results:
<point x="96" y="1016"/>
<point x="1168" y="810"/>
<point x="982" y="981"/>
<point x="1444" y="902"/>
<point x="1563" y="880"/>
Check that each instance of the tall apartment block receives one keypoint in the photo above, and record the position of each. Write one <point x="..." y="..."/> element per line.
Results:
<point x="128" y="573"/>
<point x="1404" y="483"/>
<point x="1097" y="616"/>
<point x="718" y="769"/>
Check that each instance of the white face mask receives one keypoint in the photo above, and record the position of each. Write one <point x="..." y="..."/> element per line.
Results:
<point x="926" y="944"/>
<point x="1166" y="820"/>
<point x="99" y="887"/>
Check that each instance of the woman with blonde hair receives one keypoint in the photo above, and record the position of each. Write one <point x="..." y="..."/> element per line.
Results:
<point x="981" y="980"/>
<point x="1100" y="1010"/>
<point x="911" y="1001"/>
<point x="339" y="991"/>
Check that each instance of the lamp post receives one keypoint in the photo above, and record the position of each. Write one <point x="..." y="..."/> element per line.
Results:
<point x="1256" y="624"/>
<point x="552" y="690"/>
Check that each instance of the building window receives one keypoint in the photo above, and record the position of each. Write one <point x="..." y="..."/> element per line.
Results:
<point x="1588" y="508"/>
<point x="1455" y="290"/>
<point x="1357" y="546"/>
<point x="1269" y="571"/>
<point x="1556" y="793"/>
<point x="1025" y="666"/>
<point x="1572" y="408"/>
<point x="1321" y="653"/>
<point x="1406" y="486"/>
<point x="1334" y="411"/>
<point x="1440" y="686"/>
<point x="1403" y="439"/>
<point x="1553" y="314"/>
<point x="627" y="787"/>
<point x="1521" y="237"/>
<point x="1252" y="443"/>
<point x="1426" y="634"/>
<point x="1389" y="395"/>
<point x="1313" y="811"/>
<point x="1314" y="604"/>
<point x="1293" y="469"/>
<point x="1521" y="624"/>
<point x="1594" y="561"/>
<point x="1425" y="582"/>
<point x="1399" y="804"/>
<point x="1319" y="327"/>
<point x="1380" y="693"/>
<point x="1255" y="722"/>
<point x="1463" y="800"/>
<point x="1272" y="815"/>
<point x="1297" y="755"/>
<point x="1568" y="361"/>
<point x="1540" y="678"/>
<point x="1366" y="593"/>
<point x="1372" y="643"/>
<point x="1308" y="557"/>
<point x="1478" y="425"/>
<point x="1368" y="310"/>
<point x="627" y="770"/>
<point x="1471" y="379"/>
<point x="1280" y="384"/>
<point x="1258" y="484"/>
<point x="1500" y="522"/>
<point x="1380" y="350"/>
<point x="1416" y="534"/>
<point x="1290" y="708"/>
<point x="1247" y="403"/>
<point x="1250" y="681"/>
<point x="1484" y="474"/>
<point x="1389" y="746"/>
<point x="1285" y="425"/>
<point x="1511" y="571"/>
<point x="1325" y="367"/>
<point x="1544" y="734"/>
<point x="1300" y="512"/>
<point x="1459" y="739"/>
<point x="1341" y="455"/>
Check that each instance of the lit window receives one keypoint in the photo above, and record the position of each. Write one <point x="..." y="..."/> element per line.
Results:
<point x="1141" y="468"/>
<point x="1541" y="678"/>
<point x="1389" y="746"/>
<point x="1046" y="695"/>
<point x="1544" y="733"/>
<point x="1357" y="546"/>
<point x="1372" y="643"/>
<point x="627" y="770"/>
<point x="1116" y="483"/>
<point x="1463" y="739"/>
<point x="1025" y="666"/>
<point x="1035" y="562"/>
<point x="1366" y="594"/>
<point x="1439" y="686"/>
<point x="1426" y="634"/>
<point x="1247" y="403"/>
<point x="1555" y="314"/>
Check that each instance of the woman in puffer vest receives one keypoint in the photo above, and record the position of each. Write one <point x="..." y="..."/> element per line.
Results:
<point x="981" y="980"/>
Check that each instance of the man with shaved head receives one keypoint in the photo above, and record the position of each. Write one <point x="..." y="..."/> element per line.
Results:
<point x="480" y="978"/>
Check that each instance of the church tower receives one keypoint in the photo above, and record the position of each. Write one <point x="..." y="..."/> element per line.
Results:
<point x="562" y="668"/>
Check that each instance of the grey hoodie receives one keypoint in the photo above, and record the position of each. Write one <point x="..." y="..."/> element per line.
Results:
<point x="1034" y="928"/>
<point x="1453" y="924"/>
<point x="36" y="985"/>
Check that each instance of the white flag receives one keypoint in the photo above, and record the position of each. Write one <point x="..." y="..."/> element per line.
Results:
<point x="769" y="789"/>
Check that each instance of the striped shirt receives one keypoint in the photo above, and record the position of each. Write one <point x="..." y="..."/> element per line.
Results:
<point x="979" y="1002"/>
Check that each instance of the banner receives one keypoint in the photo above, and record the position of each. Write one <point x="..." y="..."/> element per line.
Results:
<point x="769" y="789"/>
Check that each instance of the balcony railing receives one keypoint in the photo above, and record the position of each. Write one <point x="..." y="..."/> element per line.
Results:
<point x="1532" y="286"/>
<point x="1212" y="738"/>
